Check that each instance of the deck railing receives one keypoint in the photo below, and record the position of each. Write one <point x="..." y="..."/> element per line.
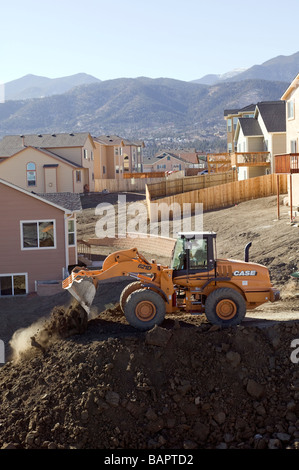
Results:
<point x="287" y="163"/>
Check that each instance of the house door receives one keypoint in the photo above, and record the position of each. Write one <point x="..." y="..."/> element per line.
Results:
<point x="50" y="179"/>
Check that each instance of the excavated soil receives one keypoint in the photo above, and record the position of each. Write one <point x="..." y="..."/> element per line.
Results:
<point x="101" y="384"/>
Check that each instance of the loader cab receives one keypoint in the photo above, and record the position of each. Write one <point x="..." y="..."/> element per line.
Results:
<point x="194" y="252"/>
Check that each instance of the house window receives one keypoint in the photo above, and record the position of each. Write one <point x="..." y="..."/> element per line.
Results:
<point x="13" y="284"/>
<point x="291" y="109"/>
<point x="104" y="170"/>
<point x="293" y="146"/>
<point x="126" y="163"/>
<point x="71" y="232"/>
<point x="31" y="174"/>
<point x="229" y="125"/>
<point x="116" y="151"/>
<point x="78" y="176"/>
<point x="38" y="234"/>
<point x="85" y="154"/>
<point x="91" y="155"/>
<point x="229" y="147"/>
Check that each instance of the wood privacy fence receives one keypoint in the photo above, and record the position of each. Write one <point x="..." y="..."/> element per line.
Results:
<point x="168" y="187"/>
<point x="221" y="196"/>
<point x="124" y="185"/>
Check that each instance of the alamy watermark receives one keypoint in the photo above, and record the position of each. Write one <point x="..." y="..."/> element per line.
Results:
<point x="2" y="352"/>
<point x="137" y="220"/>
<point x="295" y="354"/>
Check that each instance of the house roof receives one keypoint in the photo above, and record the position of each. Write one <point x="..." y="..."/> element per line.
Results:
<point x="47" y="152"/>
<point x="70" y="201"/>
<point x="273" y="114"/>
<point x="161" y="156"/>
<point x="34" y="195"/>
<point x="12" y="144"/>
<point x="250" y="127"/>
<point x="294" y="84"/>
<point x="250" y="107"/>
<point x="116" y="140"/>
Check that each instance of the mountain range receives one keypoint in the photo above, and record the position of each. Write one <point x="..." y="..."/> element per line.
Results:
<point x="140" y="107"/>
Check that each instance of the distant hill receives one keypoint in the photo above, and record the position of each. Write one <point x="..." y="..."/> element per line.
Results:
<point x="280" y="68"/>
<point x="33" y="86"/>
<point x="140" y="107"/>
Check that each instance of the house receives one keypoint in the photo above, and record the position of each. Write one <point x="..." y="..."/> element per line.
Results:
<point x="288" y="161"/>
<point x="232" y="116"/>
<point x="115" y="156"/>
<point x="259" y="139"/>
<point x="49" y="162"/>
<point x="38" y="241"/>
<point x="165" y="161"/>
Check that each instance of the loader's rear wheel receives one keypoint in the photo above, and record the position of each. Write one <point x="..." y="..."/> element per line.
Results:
<point x="225" y="307"/>
<point x="144" y="309"/>
<point x="127" y="291"/>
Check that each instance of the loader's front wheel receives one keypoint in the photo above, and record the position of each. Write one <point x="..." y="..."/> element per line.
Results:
<point x="144" y="309"/>
<point x="225" y="307"/>
<point x="127" y="291"/>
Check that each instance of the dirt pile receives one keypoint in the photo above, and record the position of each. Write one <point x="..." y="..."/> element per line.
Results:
<point x="64" y="321"/>
<point x="178" y="386"/>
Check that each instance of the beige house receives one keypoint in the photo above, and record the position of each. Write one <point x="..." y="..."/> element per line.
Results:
<point x="38" y="242"/>
<point x="231" y="117"/>
<point x="288" y="162"/>
<point x="262" y="136"/>
<point x="49" y="162"/>
<point x="165" y="161"/>
<point x="115" y="156"/>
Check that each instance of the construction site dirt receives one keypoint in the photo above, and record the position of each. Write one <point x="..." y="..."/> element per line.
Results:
<point x="69" y="384"/>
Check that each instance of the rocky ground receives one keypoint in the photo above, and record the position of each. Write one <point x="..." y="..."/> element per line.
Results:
<point x="183" y="385"/>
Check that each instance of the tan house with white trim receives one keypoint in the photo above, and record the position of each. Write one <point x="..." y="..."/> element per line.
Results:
<point x="115" y="156"/>
<point x="37" y="241"/>
<point x="49" y="162"/>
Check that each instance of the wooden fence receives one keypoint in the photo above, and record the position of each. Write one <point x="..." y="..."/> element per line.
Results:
<point x="124" y="185"/>
<point x="221" y="196"/>
<point x="168" y="187"/>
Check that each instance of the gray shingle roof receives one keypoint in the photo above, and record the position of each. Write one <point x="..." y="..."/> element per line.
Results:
<point x="250" y="127"/>
<point x="12" y="144"/>
<point x="70" y="201"/>
<point x="273" y="114"/>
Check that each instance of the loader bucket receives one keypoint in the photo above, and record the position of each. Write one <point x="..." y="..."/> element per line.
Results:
<point x="82" y="289"/>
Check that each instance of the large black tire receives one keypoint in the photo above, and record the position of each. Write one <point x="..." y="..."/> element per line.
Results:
<point x="225" y="307"/>
<point x="144" y="309"/>
<point x="126" y="292"/>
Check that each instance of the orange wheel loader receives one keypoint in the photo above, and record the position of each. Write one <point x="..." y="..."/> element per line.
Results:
<point x="195" y="283"/>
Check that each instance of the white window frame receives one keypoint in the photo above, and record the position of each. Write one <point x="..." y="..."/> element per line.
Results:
<point x="291" y="109"/>
<point x="37" y="222"/>
<point x="70" y="232"/>
<point x="12" y="285"/>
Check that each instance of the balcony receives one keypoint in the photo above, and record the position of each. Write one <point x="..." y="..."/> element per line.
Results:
<point x="251" y="159"/>
<point x="219" y="162"/>
<point x="287" y="163"/>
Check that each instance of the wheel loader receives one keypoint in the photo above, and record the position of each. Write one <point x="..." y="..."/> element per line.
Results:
<point x="196" y="283"/>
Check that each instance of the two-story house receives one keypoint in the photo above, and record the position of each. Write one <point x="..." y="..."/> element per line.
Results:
<point x="115" y="156"/>
<point x="37" y="241"/>
<point x="165" y="161"/>
<point x="231" y="117"/>
<point x="259" y="139"/>
<point x="48" y="163"/>
<point x="288" y="162"/>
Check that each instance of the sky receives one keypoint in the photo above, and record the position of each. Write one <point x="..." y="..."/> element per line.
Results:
<point x="180" y="39"/>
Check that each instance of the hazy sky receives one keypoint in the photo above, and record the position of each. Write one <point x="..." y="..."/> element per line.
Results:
<point x="181" y="39"/>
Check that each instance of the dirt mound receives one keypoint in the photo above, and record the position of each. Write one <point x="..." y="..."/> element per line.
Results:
<point x="178" y="386"/>
<point x="64" y="321"/>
